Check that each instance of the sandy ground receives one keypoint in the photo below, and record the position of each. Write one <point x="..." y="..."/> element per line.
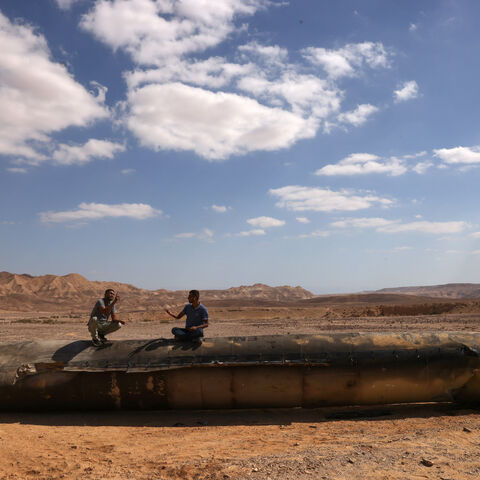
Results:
<point x="383" y="442"/>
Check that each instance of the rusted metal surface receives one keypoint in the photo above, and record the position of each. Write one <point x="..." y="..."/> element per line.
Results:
<point x="242" y="372"/>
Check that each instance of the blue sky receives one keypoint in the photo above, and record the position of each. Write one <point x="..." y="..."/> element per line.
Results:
<point x="209" y="144"/>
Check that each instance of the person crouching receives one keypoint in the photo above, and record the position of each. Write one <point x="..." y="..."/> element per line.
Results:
<point x="99" y="324"/>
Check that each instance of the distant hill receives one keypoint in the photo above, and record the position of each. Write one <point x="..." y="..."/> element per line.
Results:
<point x="370" y="298"/>
<point x="73" y="292"/>
<point x="449" y="290"/>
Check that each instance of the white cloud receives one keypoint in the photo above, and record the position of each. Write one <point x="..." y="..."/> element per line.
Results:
<point x="299" y="199"/>
<point x="459" y="155"/>
<point x="305" y="99"/>
<point x="165" y="109"/>
<point x="219" y="208"/>
<point x="416" y="155"/>
<point x="96" y="211"/>
<point x="475" y="234"/>
<point x="127" y="171"/>
<point x="206" y="235"/>
<point x="82" y="154"/>
<point x="268" y="53"/>
<point x="37" y="95"/>
<point x="265" y="222"/>
<point x="151" y="31"/>
<point x="422" y="167"/>
<point x="278" y="95"/>
<point x="426" y="227"/>
<point x="306" y="95"/>
<point x="65" y="4"/>
<point x="213" y="72"/>
<point x="215" y="125"/>
<point x="186" y="235"/>
<point x="17" y="170"/>
<point x="362" y="164"/>
<point x="316" y="234"/>
<point x="347" y="61"/>
<point x="173" y="100"/>
<point x="407" y="91"/>
<point x="403" y="248"/>
<point x="372" y="222"/>
<point x="358" y="116"/>
<point x="249" y="233"/>
<point x="413" y="27"/>
<point x="302" y="220"/>
<point x="395" y="226"/>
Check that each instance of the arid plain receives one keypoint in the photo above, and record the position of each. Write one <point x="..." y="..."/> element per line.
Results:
<point x="383" y="442"/>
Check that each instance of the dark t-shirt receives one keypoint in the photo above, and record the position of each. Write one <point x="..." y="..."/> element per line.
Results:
<point x="195" y="316"/>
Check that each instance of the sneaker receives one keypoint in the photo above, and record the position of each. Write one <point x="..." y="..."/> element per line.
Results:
<point x="97" y="342"/>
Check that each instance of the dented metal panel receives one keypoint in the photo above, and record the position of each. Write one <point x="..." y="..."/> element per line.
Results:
<point x="242" y="372"/>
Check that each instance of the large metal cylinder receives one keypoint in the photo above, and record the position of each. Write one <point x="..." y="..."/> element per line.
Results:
<point x="242" y="372"/>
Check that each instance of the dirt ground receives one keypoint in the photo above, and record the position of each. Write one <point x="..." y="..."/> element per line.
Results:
<point x="382" y="442"/>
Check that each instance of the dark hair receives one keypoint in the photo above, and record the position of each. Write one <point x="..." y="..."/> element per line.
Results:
<point x="109" y="290"/>
<point x="195" y="293"/>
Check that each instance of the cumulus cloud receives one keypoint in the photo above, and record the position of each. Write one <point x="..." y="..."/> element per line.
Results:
<point x="266" y="102"/>
<point x="396" y="226"/>
<point x="186" y="235"/>
<point x="219" y="208"/>
<point x="268" y="53"/>
<point x="348" y="60"/>
<point x="459" y="155"/>
<point x="265" y="222"/>
<point x="213" y="72"/>
<point x="407" y="91"/>
<point x="305" y="95"/>
<point x="299" y="199"/>
<point x="206" y="235"/>
<point x="17" y="170"/>
<point x="422" y="167"/>
<point x="151" y="31"/>
<point x="415" y="155"/>
<point x="38" y="96"/>
<point x="215" y="125"/>
<point x="82" y="154"/>
<point x="96" y="211"/>
<point x="315" y="234"/>
<point x="358" y="116"/>
<point x="249" y="233"/>
<point x="426" y="227"/>
<point x="302" y="220"/>
<point x="362" y="164"/>
<point x="367" y="163"/>
<point x="372" y="222"/>
<point x="65" y="4"/>
<point x="127" y="171"/>
<point x="403" y="248"/>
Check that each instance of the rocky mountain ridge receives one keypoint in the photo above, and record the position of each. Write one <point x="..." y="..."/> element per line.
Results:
<point x="73" y="291"/>
<point x="448" y="290"/>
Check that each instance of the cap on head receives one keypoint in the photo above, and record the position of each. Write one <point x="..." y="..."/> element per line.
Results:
<point x="109" y="290"/>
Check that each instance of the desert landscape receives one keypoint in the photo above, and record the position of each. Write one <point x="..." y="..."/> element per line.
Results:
<point x="437" y="441"/>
